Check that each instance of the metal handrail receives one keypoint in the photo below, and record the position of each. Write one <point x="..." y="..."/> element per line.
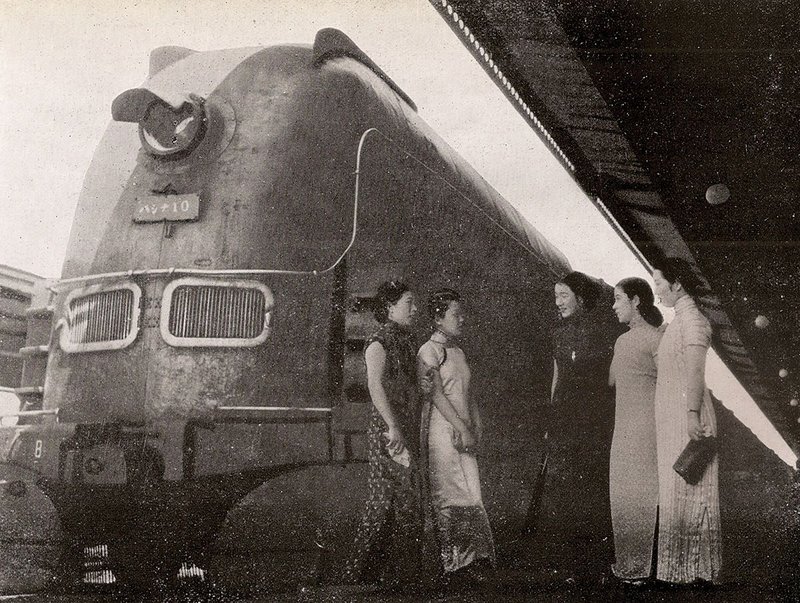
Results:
<point x="30" y="413"/>
<point x="27" y="390"/>
<point x="277" y="408"/>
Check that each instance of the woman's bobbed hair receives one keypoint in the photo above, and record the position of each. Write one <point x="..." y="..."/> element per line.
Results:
<point x="389" y="293"/>
<point x="584" y="287"/>
<point x="633" y="287"/>
<point x="440" y="300"/>
<point x="680" y="271"/>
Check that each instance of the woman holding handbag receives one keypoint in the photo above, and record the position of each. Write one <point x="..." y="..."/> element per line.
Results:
<point x="454" y="433"/>
<point x="689" y="522"/>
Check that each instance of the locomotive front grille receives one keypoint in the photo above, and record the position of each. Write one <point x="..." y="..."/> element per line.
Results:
<point x="201" y="312"/>
<point x="216" y="312"/>
<point x="100" y="318"/>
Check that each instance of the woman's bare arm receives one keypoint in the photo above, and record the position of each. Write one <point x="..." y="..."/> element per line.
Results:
<point x="695" y="356"/>
<point x="443" y="405"/>
<point x="555" y="380"/>
<point x="375" y="358"/>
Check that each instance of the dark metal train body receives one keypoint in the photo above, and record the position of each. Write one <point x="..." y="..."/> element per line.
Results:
<point x="204" y="387"/>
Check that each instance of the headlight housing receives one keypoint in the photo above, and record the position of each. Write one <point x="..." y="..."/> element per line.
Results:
<point x="173" y="133"/>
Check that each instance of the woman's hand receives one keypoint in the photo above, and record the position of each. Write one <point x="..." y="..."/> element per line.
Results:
<point x="478" y="432"/>
<point x="426" y="380"/>
<point x="695" y="428"/>
<point x="468" y="439"/>
<point x="395" y="442"/>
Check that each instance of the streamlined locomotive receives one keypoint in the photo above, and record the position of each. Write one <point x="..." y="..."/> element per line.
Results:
<point x="204" y="395"/>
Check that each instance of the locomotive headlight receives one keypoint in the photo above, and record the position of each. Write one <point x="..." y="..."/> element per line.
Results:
<point x="166" y="131"/>
<point x="170" y="130"/>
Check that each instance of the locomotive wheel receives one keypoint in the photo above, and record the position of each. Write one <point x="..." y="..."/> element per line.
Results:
<point x="31" y="537"/>
<point x="295" y="529"/>
<point x="139" y="565"/>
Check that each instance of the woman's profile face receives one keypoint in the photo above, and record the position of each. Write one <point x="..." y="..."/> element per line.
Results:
<point x="452" y="321"/>
<point x="665" y="291"/>
<point x="623" y="306"/>
<point x="404" y="310"/>
<point x="566" y="301"/>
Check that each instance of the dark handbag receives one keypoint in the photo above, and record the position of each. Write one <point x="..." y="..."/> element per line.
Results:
<point x="692" y="462"/>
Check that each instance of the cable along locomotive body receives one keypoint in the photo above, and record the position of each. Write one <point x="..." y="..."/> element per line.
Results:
<point x="205" y="396"/>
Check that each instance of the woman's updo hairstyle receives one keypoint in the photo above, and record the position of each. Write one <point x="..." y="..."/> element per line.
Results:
<point x="632" y="287"/>
<point x="584" y="287"/>
<point x="440" y="300"/>
<point x="681" y="271"/>
<point x="389" y="293"/>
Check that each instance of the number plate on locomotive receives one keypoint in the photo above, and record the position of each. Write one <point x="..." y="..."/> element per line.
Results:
<point x="172" y="208"/>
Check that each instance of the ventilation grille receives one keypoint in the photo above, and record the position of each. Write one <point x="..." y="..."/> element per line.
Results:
<point x="100" y="317"/>
<point x="216" y="312"/>
<point x="96" y="568"/>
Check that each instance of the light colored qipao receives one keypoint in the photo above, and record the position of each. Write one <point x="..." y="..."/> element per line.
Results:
<point x="633" y="475"/>
<point x="688" y="526"/>
<point x="463" y="526"/>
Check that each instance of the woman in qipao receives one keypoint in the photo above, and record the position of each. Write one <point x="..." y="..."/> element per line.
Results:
<point x="575" y="524"/>
<point x="633" y="474"/>
<point x="454" y="433"/>
<point x="689" y="542"/>
<point x="390" y="538"/>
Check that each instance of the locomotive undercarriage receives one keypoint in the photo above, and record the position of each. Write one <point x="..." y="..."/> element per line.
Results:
<point x="148" y="497"/>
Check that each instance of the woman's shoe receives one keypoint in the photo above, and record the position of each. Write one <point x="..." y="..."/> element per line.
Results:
<point x="454" y="582"/>
<point x="480" y="571"/>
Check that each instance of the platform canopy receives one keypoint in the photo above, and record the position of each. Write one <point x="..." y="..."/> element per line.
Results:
<point x="681" y="120"/>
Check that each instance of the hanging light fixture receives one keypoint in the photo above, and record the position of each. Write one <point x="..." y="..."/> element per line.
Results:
<point x="761" y="321"/>
<point x="717" y="194"/>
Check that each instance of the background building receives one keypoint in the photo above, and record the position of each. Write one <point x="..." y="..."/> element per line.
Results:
<point x="16" y="291"/>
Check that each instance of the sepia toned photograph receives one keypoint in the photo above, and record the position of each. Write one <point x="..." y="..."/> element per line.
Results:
<point x="399" y="300"/>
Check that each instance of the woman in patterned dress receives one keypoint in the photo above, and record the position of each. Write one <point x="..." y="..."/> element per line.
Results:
<point x="454" y="431"/>
<point x="633" y="471"/>
<point x="689" y="522"/>
<point x="389" y="540"/>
